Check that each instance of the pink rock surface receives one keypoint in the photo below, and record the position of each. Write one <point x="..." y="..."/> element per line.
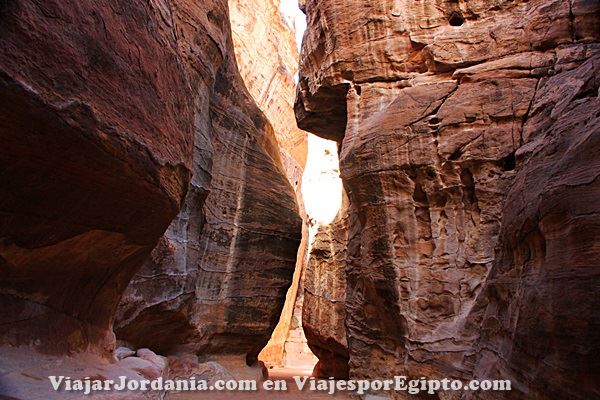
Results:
<point x="96" y="125"/>
<point x="455" y="120"/>
<point x="217" y="281"/>
<point x="114" y="117"/>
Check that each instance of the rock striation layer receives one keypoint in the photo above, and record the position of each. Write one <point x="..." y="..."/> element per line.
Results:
<point x="116" y="116"/>
<point x="324" y="311"/>
<point x="464" y="130"/>
<point x="217" y="282"/>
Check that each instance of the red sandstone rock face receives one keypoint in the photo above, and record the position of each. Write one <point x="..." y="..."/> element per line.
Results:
<point x="540" y="307"/>
<point x="444" y="110"/>
<point x="324" y="312"/>
<point x="108" y="108"/>
<point x="218" y="279"/>
<point x="96" y="129"/>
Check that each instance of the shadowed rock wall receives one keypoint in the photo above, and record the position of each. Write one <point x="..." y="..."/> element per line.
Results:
<point x="539" y="308"/>
<point x="97" y="125"/>
<point x="218" y="279"/>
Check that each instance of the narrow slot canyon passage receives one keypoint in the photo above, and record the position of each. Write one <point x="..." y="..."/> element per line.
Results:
<point x="287" y="355"/>
<point x="288" y="350"/>
<point x="314" y="174"/>
<point x="381" y="199"/>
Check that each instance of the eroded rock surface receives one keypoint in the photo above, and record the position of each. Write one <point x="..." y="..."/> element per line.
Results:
<point x="218" y="279"/>
<point x="324" y="311"/>
<point x="445" y="112"/>
<point x="97" y="127"/>
<point x="114" y="117"/>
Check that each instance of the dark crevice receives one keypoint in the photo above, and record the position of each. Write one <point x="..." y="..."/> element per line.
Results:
<point x="417" y="45"/>
<point x="590" y="91"/>
<point x="455" y="155"/>
<point x="421" y="203"/>
<point x="456" y="20"/>
<point x="572" y="22"/>
<point x="509" y="162"/>
<point x="545" y="45"/>
<point x="469" y="194"/>
<point x="7" y="7"/>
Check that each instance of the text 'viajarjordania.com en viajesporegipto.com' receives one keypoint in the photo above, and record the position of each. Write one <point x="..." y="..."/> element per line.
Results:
<point x="330" y="386"/>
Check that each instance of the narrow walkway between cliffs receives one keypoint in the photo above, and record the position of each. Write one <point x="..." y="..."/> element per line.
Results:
<point x="288" y="354"/>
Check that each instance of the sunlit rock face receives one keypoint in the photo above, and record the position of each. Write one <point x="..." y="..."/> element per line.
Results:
<point x="267" y="57"/>
<point x="217" y="282"/>
<point x="454" y="119"/>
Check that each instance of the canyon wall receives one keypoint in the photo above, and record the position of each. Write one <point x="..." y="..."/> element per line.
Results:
<point x="324" y="311"/>
<point x="541" y="317"/>
<point x="467" y="131"/>
<point x="116" y="115"/>
<point x="267" y="56"/>
<point x="97" y="125"/>
<point x="216" y="283"/>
